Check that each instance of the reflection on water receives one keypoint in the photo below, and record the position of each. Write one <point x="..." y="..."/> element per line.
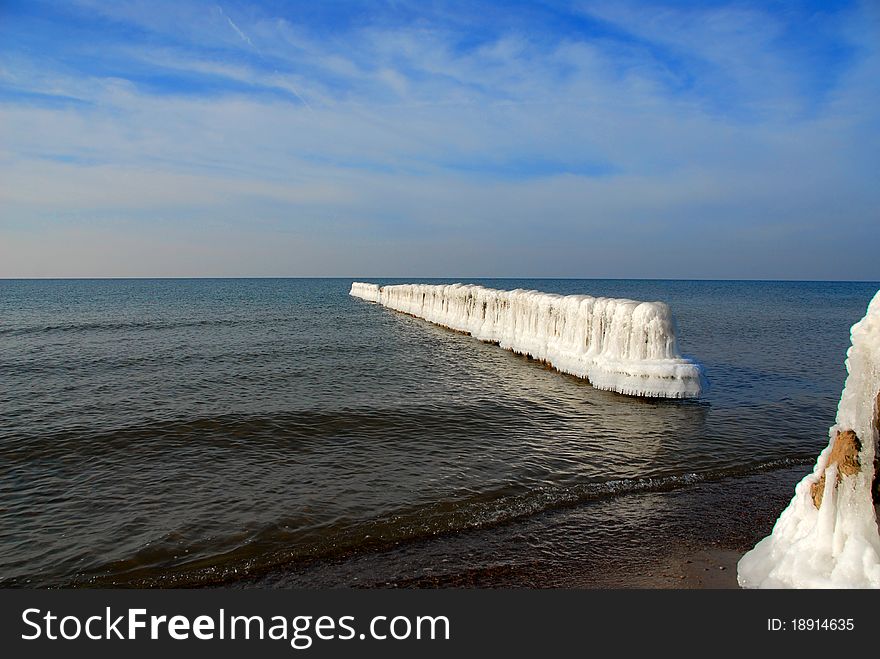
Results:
<point x="197" y="431"/>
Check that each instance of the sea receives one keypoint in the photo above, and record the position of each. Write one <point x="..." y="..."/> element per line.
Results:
<point x="281" y="433"/>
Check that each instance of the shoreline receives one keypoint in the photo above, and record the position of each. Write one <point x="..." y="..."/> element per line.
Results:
<point x="690" y="538"/>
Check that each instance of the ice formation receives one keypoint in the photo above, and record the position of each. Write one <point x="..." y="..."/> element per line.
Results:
<point x="620" y="345"/>
<point x="827" y="537"/>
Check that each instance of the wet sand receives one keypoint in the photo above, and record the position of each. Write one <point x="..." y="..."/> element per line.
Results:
<point x="705" y="568"/>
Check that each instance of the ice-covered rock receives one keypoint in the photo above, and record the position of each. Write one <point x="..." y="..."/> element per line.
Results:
<point x="828" y="537"/>
<point x="619" y="345"/>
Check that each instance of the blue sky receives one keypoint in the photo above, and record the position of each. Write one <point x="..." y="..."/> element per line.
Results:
<point x="460" y="139"/>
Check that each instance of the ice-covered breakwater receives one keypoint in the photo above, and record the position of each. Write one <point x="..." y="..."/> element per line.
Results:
<point x="369" y="292"/>
<point x="827" y="537"/>
<point x="619" y="345"/>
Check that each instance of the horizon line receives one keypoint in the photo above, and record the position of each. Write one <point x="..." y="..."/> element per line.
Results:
<point x="355" y="278"/>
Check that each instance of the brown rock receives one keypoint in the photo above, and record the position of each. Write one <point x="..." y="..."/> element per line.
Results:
<point x="845" y="454"/>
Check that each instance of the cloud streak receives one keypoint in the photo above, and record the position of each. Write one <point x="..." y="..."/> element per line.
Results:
<point x="238" y="31"/>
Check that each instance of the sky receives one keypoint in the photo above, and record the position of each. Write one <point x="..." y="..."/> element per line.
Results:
<point x="615" y="138"/>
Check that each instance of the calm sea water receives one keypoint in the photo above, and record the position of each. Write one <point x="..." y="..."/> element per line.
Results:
<point x="184" y="432"/>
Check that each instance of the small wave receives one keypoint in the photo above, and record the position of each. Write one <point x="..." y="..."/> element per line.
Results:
<point x="307" y="427"/>
<point x="281" y="546"/>
<point x="127" y="325"/>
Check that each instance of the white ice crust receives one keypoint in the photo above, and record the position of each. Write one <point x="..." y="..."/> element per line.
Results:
<point x="619" y="345"/>
<point x="838" y="545"/>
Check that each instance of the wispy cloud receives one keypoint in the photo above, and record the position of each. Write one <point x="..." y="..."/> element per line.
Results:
<point x="613" y="139"/>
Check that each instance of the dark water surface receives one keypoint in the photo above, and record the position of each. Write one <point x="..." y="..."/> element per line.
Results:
<point x="186" y="432"/>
